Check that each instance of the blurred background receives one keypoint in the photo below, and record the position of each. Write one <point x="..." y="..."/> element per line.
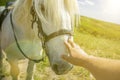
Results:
<point x="98" y="34"/>
<point x="3" y="2"/>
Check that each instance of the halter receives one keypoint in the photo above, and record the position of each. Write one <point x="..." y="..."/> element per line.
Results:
<point x="41" y="34"/>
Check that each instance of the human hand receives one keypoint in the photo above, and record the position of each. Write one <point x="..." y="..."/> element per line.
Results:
<point x="76" y="54"/>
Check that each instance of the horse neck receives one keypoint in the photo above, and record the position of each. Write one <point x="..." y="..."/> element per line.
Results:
<point x="21" y="13"/>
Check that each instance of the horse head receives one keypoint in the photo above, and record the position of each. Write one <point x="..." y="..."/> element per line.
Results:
<point x="57" y="21"/>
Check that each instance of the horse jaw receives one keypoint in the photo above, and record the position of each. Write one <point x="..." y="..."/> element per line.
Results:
<point x="55" y="49"/>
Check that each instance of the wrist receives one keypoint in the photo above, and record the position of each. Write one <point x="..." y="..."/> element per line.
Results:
<point x="84" y="60"/>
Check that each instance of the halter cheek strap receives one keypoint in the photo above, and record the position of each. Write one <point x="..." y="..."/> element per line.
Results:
<point x="17" y="43"/>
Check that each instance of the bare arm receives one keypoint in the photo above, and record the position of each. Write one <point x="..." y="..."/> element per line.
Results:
<point x="101" y="68"/>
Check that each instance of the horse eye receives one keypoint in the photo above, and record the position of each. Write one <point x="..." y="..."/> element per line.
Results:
<point x="42" y="7"/>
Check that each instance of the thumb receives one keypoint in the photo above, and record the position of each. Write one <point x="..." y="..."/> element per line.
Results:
<point x="67" y="58"/>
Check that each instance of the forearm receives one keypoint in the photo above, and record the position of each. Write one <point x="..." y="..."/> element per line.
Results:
<point x="103" y="69"/>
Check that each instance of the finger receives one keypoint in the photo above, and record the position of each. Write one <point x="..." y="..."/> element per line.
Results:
<point x="68" y="45"/>
<point x="67" y="58"/>
<point x="71" y="43"/>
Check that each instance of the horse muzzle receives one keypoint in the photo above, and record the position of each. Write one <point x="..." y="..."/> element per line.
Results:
<point x="60" y="69"/>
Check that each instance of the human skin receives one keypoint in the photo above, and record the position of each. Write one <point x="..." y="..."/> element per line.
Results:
<point x="101" y="68"/>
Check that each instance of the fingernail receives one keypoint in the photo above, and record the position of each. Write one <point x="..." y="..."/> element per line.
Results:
<point x="63" y="56"/>
<point x="65" y="42"/>
<point x="69" y="39"/>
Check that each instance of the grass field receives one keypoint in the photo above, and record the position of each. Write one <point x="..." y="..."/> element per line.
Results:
<point x="97" y="38"/>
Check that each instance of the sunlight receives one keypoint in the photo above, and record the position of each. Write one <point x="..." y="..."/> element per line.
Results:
<point x="112" y="6"/>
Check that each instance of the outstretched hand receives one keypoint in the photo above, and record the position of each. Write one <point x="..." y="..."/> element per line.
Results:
<point x="76" y="54"/>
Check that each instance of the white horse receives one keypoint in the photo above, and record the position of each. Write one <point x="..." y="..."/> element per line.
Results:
<point x="19" y="35"/>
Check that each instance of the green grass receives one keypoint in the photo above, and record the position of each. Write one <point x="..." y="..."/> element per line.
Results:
<point x="100" y="28"/>
<point x="97" y="38"/>
<point x="3" y="2"/>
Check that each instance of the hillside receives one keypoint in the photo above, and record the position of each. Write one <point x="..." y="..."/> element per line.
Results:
<point x="100" y="28"/>
<point x="98" y="37"/>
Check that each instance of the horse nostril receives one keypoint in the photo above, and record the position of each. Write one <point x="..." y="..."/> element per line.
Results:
<point x="55" y="67"/>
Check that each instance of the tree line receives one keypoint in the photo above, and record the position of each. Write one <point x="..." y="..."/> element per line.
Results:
<point x="3" y="2"/>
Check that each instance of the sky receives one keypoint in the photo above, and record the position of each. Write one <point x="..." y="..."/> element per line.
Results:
<point x="107" y="10"/>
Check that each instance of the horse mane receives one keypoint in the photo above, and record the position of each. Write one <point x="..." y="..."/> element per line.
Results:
<point x="51" y="14"/>
<point x="54" y="8"/>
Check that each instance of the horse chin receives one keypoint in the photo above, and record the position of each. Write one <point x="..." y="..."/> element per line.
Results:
<point x="63" y="70"/>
